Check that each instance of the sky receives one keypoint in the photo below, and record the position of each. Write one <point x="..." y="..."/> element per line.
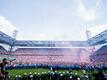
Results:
<point x="53" y="19"/>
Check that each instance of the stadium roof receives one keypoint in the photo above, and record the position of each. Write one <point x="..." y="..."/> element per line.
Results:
<point x="98" y="39"/>
<point x="4" y="38"/>
<point x="51" y="43"/>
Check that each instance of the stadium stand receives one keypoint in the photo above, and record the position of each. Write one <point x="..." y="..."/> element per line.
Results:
<point x="100" y="56"/>
<point x="51" y="55"/>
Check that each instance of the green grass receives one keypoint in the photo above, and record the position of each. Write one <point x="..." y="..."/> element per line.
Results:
<point x="21" y="72"/>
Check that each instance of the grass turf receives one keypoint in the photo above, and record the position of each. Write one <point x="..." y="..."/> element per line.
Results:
<point x="21" y="72"/>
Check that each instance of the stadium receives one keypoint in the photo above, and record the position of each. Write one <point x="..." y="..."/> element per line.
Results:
<point x="53" y="40"/>
<point x="54" y="55"/>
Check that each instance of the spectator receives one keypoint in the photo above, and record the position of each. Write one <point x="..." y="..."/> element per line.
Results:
<point x="3" y="72"/>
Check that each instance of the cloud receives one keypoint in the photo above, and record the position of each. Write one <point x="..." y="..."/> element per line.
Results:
<point x="88" y="14"/>
<point x="6" y="26"/>
<point x="98" y="4"/>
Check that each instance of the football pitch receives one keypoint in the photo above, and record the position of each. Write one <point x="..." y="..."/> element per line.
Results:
<point x="14" y="72"/>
